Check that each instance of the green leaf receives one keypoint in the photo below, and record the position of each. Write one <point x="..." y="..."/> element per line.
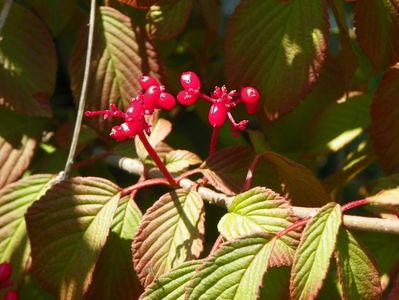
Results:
<point x="358" y="276"/>
<point x="120" y="55"/>
<point x="377" y="28"/>
<point x="67" y="228"/>
<point x="27" y="64"/>
<point x="56" y="14"/>
<point x="339" y="123"/>
<point x="165" y="22"/>
<point x="298" y="182"/>
<point x="179" y="215"/>
<point x="276" y="284"/>
<point x="114" y="276"/>
<point x="386" y="198"/>
<point x="171" y="285"/>
<point x="235" y="271"/>
<point x="179" y="160"/>
<point x="313" y="254"/>
<point x="15" y="199"/>
<point x="384" y="133"/>
<point x="288" y="39"/>
<point x="227" y="168"/>
<point x="258" y="141"/>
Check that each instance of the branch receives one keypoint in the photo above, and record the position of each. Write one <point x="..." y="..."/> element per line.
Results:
<point x="135" y="166"/>
<point x="4" y="13"/>
<point x="83" y="95"/>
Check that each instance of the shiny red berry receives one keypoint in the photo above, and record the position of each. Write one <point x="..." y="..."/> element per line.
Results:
<point x="217" y="114"/>
<point x="187" y="97"/>
<point x="252" y="108"/>
<point x="148" y="81"/>
<point x="250" y="94"/>
<point x="151" y="97"/>
<point x="134" y="111"/>
<point x="190" y="81"/>
<point x="166" y="101"/>
<point x="118" y="134"/>
<point x="11" y="295"/>
<point x="5" y="272"/>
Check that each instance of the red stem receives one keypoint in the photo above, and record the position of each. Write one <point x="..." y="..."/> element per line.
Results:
<point x="214" y="140"/>
<point x="294" y="226"/>
<point x="188" y="173"/>
<point x="156" y="159"/>
<point x="354" y="204"/>
<point x="219" y="241"/>
<point x="250" y="173"/>
<point x="144" y="184"/>
<point x="206" y="97"/>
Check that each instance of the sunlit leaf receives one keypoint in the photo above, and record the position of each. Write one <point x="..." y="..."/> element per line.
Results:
<point x="358" y="276"/>
<point x="227" y="168"/>
<point x="170" y="286"/>
<point x="179" y="160"/>
<point x="27" y="64"/>
<point x="235" y="271"/>
<point x="314" y="252"/>
<point x="167" y="21"/>
<point x="15" y="199"/>
<point x="288" y="39"/>
<point x="121" y="53"/>
<point x="170" y="233"/>
<point x="67" y="228"/>
<point x="385" y="120"/>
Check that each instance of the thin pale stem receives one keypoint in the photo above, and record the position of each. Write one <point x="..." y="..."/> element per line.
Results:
<point x="83" y="94"/>
<point x="250" y="174"/>
<point x="4" y="13"/>
<point x="214" y="140"/>
<point x="144" y="184"/>
<point x="156" y="159"/>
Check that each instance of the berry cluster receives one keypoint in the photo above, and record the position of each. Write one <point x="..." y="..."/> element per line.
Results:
<point x="222" y="101"/>
<point x="153" y="97"/>
<point x="5" y="275"/>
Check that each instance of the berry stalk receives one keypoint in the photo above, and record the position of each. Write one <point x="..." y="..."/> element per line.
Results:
<point x="156" y="159"/>
<point x="214" y="140"/>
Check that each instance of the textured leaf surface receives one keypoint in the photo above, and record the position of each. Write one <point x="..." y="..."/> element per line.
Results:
<point x="286" y="39"/>
<point x="167" y="21"/>
<point x="377" y="30"/>
<point x="114" y="276"/>
<point x="339" y="123"/>
<point x="179" y="160"/>
<point x="312" y="258"/>
<point x="67" y="228"/>
<point x="227" y="168"/>
<point x="120" y="55"/>
<point x="386" y="197"/>
<point x="15" y="199"/>
<point x="211" y="11"/>
<point x="234" y="272"/>
<point x="170" y="233"/>
<point x="170" y="286"/>
<point x="358" y="276"/>
<point x="298" y="182"/>
<point x="27" y="64"/>
<point x="385" y="120"/>
<point x="276" y="284"/>
<point x="143" y="3"/>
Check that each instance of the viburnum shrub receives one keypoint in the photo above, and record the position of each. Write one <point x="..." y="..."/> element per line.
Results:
<point x="188" y="149"/>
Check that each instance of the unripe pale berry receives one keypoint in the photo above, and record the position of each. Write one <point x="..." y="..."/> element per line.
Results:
<point x="5" y="272"/>
<point x="148" y="81"/>
<point x="249" y="94"/>
<point x="190" y="80"/>
<point x="217" y="114"/>
<point x="166" y="101"/>
<point x="187" y="97"/>
<point x="151" y="97"/>
<point x="11" y="295"/>
<point x="252" y="108"/>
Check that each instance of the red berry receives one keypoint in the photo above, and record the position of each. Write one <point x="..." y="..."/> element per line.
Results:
<point x="166" y="101"/>
<point x="151" y="97"/>
<point x="5" y="272"/>
<point x="11" y="295"/>
<point x="148" y="81"/>
<point x="134" y="111"/>
<point x="190" y="81"/>
<point x="217" y="114"/>
<point x="118" y="134"/>
<point x="187" y="97"/>
<point x="252" y="108"/>
<point x="250" y="94"/>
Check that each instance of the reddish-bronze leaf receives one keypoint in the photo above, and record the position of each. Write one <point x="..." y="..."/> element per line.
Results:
<point x="377" y="30"/>
<point x="121" y="53"/>
<point x="385" y="120"/>
<point x="144" y="3"/>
